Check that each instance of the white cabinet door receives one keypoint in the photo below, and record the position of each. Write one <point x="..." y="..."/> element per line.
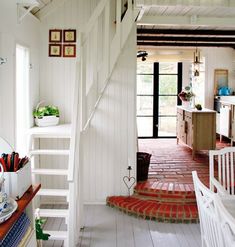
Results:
<point x="225" y="120"/>
<point x="218" y="123"/>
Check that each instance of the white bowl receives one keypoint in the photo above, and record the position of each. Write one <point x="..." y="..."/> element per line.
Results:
<point x="47" y="121"/>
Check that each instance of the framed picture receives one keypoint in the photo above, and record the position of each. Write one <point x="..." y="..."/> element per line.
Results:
<point x="69" y="35"/>
<point x="69" y="50"/>
<point x="55" y="35"/>
<point x="54" y="50"/>
<point x="220" y="79"/>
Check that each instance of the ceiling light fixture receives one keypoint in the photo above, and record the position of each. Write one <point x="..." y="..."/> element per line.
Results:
<point x="142" y="54"/>
<point x="196" y="62"/>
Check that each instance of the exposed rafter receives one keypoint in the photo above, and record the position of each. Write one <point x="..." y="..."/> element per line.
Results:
<point x="186" y="38"/>
<point x="187" y="21"/>
<point x="207" y="3"/>
<point x="193" y="44"/>
<point x="186" y="32"/>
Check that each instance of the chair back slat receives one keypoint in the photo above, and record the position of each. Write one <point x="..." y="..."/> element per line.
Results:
<point x="228" y="170"/>
<point x="209" y="223"/>
<point x="219" y="168"/>
<point x="222" y="170"/>
<point x="227" y="221"/>
<point x="232" y="172"/>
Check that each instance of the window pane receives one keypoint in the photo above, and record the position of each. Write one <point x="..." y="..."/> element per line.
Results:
<point x="167" y="126"/>
<point x="144" y="67"/>
<point x="145" y="126"/>
<point x="168" y="84"/>
<point x="167" y="105"/>
<point x="168" y="68"/>
<point x="145" y="105"/>
<point x="145" y="84"/>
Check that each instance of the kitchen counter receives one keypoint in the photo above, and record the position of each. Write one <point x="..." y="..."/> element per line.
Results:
<point x="204" y="110"/>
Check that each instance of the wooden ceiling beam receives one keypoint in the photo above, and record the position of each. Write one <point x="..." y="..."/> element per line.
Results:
<point x="185" y="38"/>
<point x="197" y="32"/>
<point x="186" y="20"/>
<point x="192" y="44"/>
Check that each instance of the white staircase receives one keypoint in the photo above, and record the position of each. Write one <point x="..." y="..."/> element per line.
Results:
<point x="60" y="132"/>
<point x="109" y="32"/>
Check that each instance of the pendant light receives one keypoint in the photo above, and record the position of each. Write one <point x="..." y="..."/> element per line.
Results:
<point x="196" y="62"/>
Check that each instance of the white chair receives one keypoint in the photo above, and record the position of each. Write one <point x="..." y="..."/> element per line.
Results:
<point x="226" y="219"/>
<point x="209" y="224"/>
<point x="222" y="170"/>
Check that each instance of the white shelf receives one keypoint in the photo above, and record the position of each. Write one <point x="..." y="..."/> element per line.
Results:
<point x="56" y="235"/>
<point x="53" y="192"/>
<point x="49" y="152"/>
<point x="54" y="213"/>
<point x="59" y="172"/>
<point x="58" y="131"/>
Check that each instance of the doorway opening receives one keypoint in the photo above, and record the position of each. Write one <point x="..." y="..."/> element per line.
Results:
<point x="158" y="86"/>
<point x="22" y="98"/>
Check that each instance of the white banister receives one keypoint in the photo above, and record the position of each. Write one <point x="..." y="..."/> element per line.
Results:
<point x="98" y="39"/>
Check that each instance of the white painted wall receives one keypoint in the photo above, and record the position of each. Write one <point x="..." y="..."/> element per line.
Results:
<point x="111" y="138"/>
<point x="57" y="78"/>
<point x="217" y="58"/>
<point x="11" y="33"/>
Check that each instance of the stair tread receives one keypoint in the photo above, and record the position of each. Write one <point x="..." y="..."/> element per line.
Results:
<point x="60" y="172"/>
<point x="57" y="235"/>
<point x="58" y="131"/>
<point x="54" y="213"/>
<point x="53" y="192"/>
<point x="162" y="211"/>
<point x="50" y="152"/>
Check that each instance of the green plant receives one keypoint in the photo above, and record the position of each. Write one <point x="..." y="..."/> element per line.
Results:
<point x="48" y="110"/>
<point x="198" y="107"/>
<point x="39" y="232"/>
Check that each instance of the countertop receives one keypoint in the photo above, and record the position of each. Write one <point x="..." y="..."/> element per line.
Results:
<point x="204" y="110"/>
<point x="226" y="99"/>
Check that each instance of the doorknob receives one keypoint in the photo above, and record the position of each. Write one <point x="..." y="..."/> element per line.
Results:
<point x="156" y="125"/>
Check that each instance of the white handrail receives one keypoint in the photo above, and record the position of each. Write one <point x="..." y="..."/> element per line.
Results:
<point x="89" y="26"/>
<point x="102" y="92"/>
<point x="92" y="21"/>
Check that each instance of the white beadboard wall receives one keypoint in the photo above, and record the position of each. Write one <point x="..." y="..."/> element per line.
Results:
<point x="111" y="138"/>
<point x="26" y="33"/>
<point x="57" y="78"/>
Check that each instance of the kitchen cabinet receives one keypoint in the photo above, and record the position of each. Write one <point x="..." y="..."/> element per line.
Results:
<point x="196" y="129"/>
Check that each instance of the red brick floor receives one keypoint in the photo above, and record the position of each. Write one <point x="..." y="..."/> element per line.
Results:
<point x="168" y="194"/>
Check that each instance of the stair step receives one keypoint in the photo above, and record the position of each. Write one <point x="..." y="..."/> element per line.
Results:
<point x="49" y="152"/>
<point x="148" y="209"/>
<point x="53" y="192"/>
<point x="58" y="131"/>
<point x="58" y="172"/>
<point x="57" y="235"/>
<point x="54" y="213"/>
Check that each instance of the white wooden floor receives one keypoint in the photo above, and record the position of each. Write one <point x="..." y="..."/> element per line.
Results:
<point x="107" y="227"/>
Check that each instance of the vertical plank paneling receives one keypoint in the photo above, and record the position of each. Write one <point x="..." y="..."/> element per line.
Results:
<point x="57" y="80"/>
<point x="113" y="125"/>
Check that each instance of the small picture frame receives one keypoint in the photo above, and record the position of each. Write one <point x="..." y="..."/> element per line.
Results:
<point x="55" y="35"/>
<point x="54" y="50"/>
<point x="69" y="35"/>
<point x="69" y="50"/>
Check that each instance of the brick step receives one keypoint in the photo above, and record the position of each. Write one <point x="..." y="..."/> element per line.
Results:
<point x="164" y="187"/>
<point x="147" y="209"/>
<point x="168" y="198"/>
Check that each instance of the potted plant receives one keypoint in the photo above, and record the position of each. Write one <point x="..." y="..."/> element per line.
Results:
<point x="46" y="115"/>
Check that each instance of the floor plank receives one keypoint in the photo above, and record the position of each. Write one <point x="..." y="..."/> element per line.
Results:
<point x="106" y="227"/>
